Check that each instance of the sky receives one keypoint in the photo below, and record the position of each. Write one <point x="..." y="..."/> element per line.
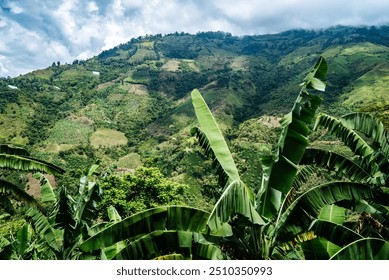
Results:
<point x="36" y="33"/>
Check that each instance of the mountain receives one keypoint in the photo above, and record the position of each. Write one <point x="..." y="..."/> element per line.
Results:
<point x="130" y="105"/>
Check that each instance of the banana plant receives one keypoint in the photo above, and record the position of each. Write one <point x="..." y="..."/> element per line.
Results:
<point x="57" y="234"/>
<point x="367" y="138"/>
<point x="245" y="223"/>
<point x="266" y="218"/>
<point x="166" y="232"/>
<point x="18" y="159"/>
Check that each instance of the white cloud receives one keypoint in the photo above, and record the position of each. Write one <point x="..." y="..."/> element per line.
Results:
<point x="92" y="7"/>
<point x="3" y="70"/>
<point x="15" y="8"/>
<point x="37" y="32"/>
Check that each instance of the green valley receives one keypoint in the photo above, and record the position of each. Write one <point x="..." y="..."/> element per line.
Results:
<point x="123" y="121"/>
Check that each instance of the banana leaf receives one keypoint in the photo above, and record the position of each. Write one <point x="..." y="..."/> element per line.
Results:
<point x="333" y="213"/>
<point x="47" y="190"/>
<point x="177" y="218"/>
<point x="336" y="233"/>
<point x="44" y="229"/>
<point x="166" y="242"/>
<point x="113" y="214"/>
<point x="364" y="249"/>
<point x="335" y="162"/>
<point x="293" y="141"/>
<point x="351" y="139"/>
<point x="24" y="163"/>
<point x="234" y="200"/>
<point x="10" y="189"/>
<point x="331" y="238"/>
<point x="23" y="238"/>
<point x="11" y="150"/>
<point x="369" y="126"/>
<point x="309" y="204"/>
<point x="213" y="142"/>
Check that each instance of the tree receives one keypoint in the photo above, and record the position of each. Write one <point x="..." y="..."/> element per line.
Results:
<point x="134" y="192"/>
<point x="18" y="159"/>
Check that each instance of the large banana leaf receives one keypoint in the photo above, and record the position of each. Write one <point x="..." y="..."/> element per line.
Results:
<point x="334" y="232"/>
<point x="44" y="228"/>
<point x="315" y="78"/>
<point x="350" y="138"/>
<point x="10" y="189"/>
<point x="316" y="249"/>
<point x="90" y="194"/>
<point x="369" y="126"/>
<point x="212" y="140"/>
<point x="378" y="211"/>
<point x="10" y="150"/>
<point x="178" y="218"/>
<point x="65" y="217"/>
<point x="23" y="238"/>
<point x="335" y="162"/>
<point x="333" y="213"/>
<point x="309" y="204"/>
<point x="234" y="200"/>
<point x="364" y="249"/>
<point x="165" y="242"/>
<point x="47" y="190"/>
<point x="293" y="141"/>
<point x="24" y="163"/>
<point x="331" y="238"/>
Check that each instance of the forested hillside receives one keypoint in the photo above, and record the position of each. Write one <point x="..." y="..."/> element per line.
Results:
<point x="130" y="109"/>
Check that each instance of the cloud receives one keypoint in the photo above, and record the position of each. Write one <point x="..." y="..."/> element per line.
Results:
<point x="36" y="33"/>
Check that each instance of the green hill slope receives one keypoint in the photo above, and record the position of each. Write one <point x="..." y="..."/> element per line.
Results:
<point x="134" y="99"/>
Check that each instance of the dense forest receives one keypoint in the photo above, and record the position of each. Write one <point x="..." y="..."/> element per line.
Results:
<point x="205" y="146"/>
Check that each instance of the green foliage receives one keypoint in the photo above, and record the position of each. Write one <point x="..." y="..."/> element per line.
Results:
<point x="142" y="91"/>
<point x="133" y="192"/>
<point x="282" y="215"/>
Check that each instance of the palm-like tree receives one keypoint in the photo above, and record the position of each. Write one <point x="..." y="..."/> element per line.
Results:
<point x="57" y="232"/>
<point x="366" y="222"/>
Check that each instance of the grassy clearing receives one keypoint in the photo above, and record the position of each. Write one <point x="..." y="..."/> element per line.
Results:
<point x="142" y="54"/>
<point x="370" y="89"/>
<point x="147" y="44"/>
<point x="131" y="93"/>
<point x="56" y="148"/>
<point x="130" y="161"/>
<point x="106" y="137"/>
<point x="70" y="132"/>
<point x="135" y="89"/>
<point x="43" y="74"/>
<point x="171" y="65"/>
<point x="240" y="63"/>
<point x="188" y="65"/>
<point x="76" y="74"/>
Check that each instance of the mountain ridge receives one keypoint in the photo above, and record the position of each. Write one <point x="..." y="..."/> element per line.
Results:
<point x="138" y="92"/>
